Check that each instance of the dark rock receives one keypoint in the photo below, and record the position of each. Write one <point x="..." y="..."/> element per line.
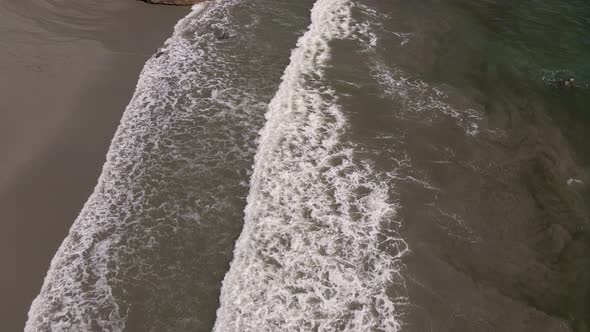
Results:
<point x="174" y="2"/>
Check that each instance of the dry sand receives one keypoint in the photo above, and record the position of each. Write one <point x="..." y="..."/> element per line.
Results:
<point x="67" y="71"/>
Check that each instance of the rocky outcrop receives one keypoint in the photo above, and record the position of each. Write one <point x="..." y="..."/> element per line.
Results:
<point x="174" y="2"/>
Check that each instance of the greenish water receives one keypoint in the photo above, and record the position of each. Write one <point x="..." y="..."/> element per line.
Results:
<point x="513" y="53"/>
<point x="517" y="191"/>
<point x="507" y="48"/>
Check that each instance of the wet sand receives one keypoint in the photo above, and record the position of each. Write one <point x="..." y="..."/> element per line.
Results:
<point x="67" y="71"/>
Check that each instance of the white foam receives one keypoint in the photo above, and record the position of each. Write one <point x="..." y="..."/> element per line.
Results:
<point x="196" y="10"/>
<point x="76" y="293"/>
<point x="573" y="181"/>
<point x="419" y="98"/>
<point x="319" y="248"/>
<point x="416" y="97"/>
<point x="456" y="227"/>
<point x="552" y="77"/>
<point x="191" y="121"/>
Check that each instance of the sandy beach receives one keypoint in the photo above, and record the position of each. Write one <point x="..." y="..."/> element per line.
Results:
<point x="67" y="71"/>
<point x="285" y="165"/>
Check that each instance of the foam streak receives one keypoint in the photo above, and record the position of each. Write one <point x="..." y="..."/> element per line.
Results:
<point x="319" y="250"/>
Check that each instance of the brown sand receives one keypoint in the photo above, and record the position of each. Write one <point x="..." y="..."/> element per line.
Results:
<point x="67" y="71"/>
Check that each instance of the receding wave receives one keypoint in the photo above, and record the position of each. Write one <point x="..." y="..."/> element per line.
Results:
<point x="151" y="245"/>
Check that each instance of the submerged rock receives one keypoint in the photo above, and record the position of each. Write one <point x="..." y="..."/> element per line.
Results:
<point x="174" y="2"/>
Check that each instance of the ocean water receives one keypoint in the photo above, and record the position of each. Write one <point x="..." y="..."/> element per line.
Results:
<point x="342" y="165"/>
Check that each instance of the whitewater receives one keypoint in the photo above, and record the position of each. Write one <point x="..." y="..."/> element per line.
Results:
<point x="341" y="165"/>
<point x="243" y="191"/>
<point x="314" y="253"/>
<point x="152" y="244"/>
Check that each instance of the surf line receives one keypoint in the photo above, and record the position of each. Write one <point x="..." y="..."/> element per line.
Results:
<point x="312" y="253"/>
<point x="83" y="286"/>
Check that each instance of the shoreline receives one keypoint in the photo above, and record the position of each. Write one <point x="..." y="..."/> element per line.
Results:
<point x="55" y="136"/>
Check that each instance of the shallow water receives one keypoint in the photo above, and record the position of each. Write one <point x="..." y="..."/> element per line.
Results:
<point x="153" y="242"/>
<point x="418" y="169"/>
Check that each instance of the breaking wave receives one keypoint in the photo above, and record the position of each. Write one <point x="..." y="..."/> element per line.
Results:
<point x="319" y="249"/>
<point x="151" y="245"/>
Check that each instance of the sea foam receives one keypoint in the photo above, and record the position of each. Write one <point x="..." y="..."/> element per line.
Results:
<point x="152" y="243"/>
<point x="319" y="249"/>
